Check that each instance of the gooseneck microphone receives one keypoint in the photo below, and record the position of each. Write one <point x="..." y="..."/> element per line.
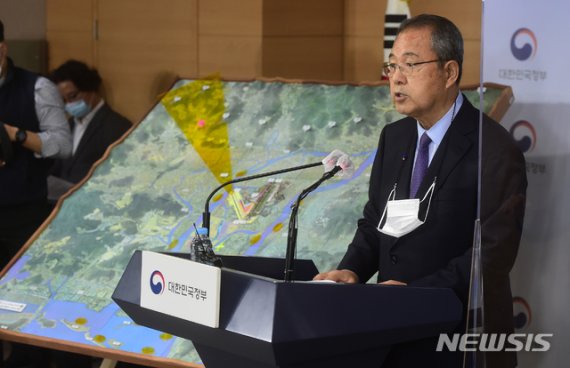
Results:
<point x="206" y="213"/>
<point x="292" y="234"/>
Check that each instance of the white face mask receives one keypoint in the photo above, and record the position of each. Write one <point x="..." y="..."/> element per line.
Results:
<point x="402" y="216"/>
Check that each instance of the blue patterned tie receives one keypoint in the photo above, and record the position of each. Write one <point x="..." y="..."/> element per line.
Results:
<point x="421" y="165"/>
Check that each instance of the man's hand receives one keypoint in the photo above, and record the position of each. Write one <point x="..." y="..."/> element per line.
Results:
<point x="393" y="282"/>
<point x="11" y="130"/>
<point x="344" y="276"/>
<point x="32" y="142"/>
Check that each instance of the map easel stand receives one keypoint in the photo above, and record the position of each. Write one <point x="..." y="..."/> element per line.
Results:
<point x="266" y="322"/>
<point x="108" y="363"/>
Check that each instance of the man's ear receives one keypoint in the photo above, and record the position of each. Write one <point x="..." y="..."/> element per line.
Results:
<point x="451" y="69"/>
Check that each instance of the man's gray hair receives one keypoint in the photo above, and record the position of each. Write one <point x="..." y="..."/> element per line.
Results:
<point x="446" y="39"/>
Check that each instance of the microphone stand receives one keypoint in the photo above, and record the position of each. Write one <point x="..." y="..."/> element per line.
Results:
<point x="206" y="213"/>
<point x="292" y="234"/>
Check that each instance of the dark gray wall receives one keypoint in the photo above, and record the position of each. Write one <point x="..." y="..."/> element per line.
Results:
<point x="24" y="19"/>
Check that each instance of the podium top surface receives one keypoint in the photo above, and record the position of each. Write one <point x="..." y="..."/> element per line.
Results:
<point x="276" y="311"/>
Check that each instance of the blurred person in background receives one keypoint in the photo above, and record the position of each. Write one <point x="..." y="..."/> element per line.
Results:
<point x="94" y="124"/>
<point x="32" y="115"/>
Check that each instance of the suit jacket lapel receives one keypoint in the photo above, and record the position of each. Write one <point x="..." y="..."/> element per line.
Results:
<point x="92" y="128"/>
<point x="68" y="162"/>
<point x="404" y="161"/>
<point x="456" y="143"/>
<point x="406" y="166"/>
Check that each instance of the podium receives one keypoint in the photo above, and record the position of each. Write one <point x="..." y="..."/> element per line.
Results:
<point x="265" y="322"/>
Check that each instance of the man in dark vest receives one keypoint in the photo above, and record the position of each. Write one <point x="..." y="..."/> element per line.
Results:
<point x="33" y="121"/>
<point x="34" y="129"/>
<point x="32" y="115"/>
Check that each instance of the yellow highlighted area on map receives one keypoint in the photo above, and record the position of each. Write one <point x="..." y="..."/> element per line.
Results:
<point x="149" y="350"/>
<point x="254" y="239"/>
<point x="217" y="197"/>
<point x="198" y="110"/>
<point x="99" y="339"/>
<point x="173" y="244"/>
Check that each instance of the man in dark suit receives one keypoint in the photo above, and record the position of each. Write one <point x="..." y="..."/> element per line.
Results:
<point x="433" y="155"/>
<point x="94" y="125"/>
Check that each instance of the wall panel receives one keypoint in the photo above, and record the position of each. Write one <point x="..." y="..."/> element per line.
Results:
<point x="70" y="31"/>
<point x="364" y="29"/>
<point x="230" y="17"/>
<point x="362" y="59"/>
<point x="471" y="62"/>
<point x="364" y="18"/>
<point x="303" y="39"/>
<point x="23" y="19"/>
<point x="142" y="45"/>
<point x="303" y="18"/>
<point x="230" y="56"/>
<point x="314" y="58"/>
<point x="230" y="38"/>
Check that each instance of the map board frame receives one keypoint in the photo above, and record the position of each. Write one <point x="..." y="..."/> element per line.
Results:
<point x="497" y="109"/>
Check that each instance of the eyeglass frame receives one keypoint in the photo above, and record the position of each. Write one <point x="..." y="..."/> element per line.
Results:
<point x="410" y="65"/>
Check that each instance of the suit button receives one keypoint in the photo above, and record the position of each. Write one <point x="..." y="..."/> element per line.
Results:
<point x="394" y="259"/>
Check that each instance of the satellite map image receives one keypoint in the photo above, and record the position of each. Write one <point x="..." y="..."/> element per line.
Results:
<point x="150" y="191"/>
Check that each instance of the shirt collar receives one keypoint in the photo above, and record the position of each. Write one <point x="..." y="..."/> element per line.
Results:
<point x="438" y="130"/>
<point x="87" y="118"/>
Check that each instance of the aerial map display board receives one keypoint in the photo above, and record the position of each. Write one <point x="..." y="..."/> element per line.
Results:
<point x="150" y="189"/>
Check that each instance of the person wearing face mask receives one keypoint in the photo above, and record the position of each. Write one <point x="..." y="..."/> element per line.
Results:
<point x="94" y="125"/>
<point x="419" y="220"/>
<point x="32" y="116"/>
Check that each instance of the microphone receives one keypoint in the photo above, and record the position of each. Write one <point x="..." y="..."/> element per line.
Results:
<point x="201" y="249"/>
<point x="206" y="213"/>
<point x="339" y="158"/>
<point x="342" y="164"/>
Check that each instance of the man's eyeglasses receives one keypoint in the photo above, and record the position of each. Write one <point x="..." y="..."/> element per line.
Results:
<point x="406" y="68"/>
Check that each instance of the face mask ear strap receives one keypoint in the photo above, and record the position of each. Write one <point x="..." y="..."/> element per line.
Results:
<point x="391" y="197"/>
<point x="429" y="192"/>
